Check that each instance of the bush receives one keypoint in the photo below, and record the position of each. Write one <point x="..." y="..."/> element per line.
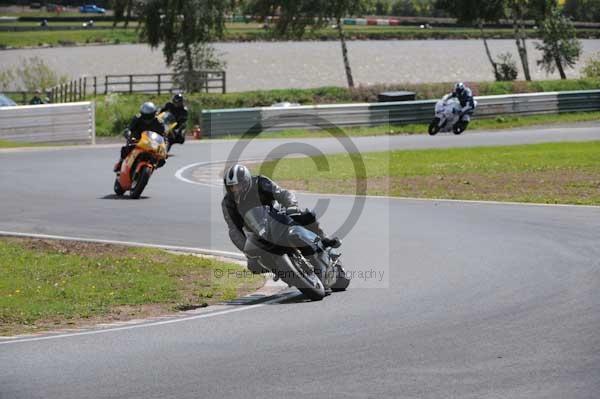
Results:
<point x="32" y="74"/>
<point x="507" y="68"/>
<point x="591" y="70"/>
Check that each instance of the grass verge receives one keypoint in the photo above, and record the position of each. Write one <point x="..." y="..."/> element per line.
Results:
<point x="51" y="284"/>
<point x="254" y="32"/>
<point x="14" y="144"/>
<point x="66" y="37"/>
<point x="540" y="173"/>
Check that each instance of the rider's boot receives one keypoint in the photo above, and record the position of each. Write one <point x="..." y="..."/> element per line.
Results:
<point x="320" y="260"/>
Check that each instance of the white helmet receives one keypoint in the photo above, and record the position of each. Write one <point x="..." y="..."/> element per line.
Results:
<point x="459" y="87"/>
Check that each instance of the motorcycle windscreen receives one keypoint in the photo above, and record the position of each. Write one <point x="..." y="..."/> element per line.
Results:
<point x="257" y="221"/>
<point x="168" y="118"/>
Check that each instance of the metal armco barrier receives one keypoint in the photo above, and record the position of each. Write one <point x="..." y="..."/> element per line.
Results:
<point x="49" y="123"/>
<point x="239" y="121"/>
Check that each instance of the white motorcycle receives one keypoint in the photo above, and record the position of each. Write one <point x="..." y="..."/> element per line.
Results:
<point x="447" y="117"/>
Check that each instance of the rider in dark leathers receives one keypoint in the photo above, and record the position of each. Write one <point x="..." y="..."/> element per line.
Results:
<point x="178" y="109"/>
<point x="142" y="122"/>
<point x="245" y="192"/>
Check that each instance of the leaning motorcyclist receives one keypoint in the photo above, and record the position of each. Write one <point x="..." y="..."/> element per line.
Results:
<point x="467" y="102"/>
<point x="144" y="121"/>
<point x="245" y="192"/>
<point x="178" y="109"/>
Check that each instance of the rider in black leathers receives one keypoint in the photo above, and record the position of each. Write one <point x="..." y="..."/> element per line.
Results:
<point x="245" y="192"/>
<point x="178" y="109"/>
<point x="144" y="121"/>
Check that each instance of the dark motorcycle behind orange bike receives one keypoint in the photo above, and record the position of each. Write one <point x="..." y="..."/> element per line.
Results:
<point x="149" y="153"/>
<point x="172" y="134"/>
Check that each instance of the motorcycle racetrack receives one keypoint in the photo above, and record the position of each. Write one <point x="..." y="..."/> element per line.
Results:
<point x="449" y="299"/>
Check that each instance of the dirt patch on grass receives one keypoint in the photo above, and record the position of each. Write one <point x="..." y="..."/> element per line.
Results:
<point x="64" y="247"/>
<point x="563" y="186"/>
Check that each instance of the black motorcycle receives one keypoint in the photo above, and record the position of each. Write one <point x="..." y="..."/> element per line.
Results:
<point x="293" y="253"/>
<point x="173" y="134"/>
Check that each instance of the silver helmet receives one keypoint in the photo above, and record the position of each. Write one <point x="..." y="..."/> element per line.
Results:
<point x="148" y="111"/>
<point x="237" y="181"/>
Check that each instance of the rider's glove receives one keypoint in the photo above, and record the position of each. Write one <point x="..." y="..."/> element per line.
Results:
<point x="292" y="210"/>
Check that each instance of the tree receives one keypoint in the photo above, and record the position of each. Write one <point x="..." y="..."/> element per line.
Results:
<point x="204" y="57"/>
<point x="582" y="10"/>
<point x="518" y="8"/>
<point x="478" y="13"/>
<point x="337" y="9"/>
<point x="560" y="47"/>
<point x="122" y="9"/>
<point x="382" y="7"/>
<point x="181" y="24"/>
<point x="296" y="16"/>
<point x="404" y="8"/>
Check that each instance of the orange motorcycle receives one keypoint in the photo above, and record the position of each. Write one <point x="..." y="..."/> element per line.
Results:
<point x="150" y="153"/>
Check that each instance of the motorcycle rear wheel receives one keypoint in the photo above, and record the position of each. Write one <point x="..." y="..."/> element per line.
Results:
<point x="434" y="127"/>
<point x="140" y="182"/>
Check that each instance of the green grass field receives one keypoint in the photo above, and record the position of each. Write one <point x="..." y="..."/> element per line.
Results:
<point x="13" y="144"/>
<point x="248" y="32"/>
<point x="66" y="37"/>
<point x="44" y="284"/>
<point x="540" y="173"/>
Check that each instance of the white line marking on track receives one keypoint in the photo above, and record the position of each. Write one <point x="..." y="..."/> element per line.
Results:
<point x="235" y="255"/>
<point x="152" y="324"/>
<point x="179" y="175"/>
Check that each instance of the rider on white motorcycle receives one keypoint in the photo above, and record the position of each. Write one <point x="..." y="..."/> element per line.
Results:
<point x="467" y="102"/>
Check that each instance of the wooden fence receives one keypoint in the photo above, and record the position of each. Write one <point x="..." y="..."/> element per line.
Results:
<point x="201" y="81"/>
<point x="209" y="81"/>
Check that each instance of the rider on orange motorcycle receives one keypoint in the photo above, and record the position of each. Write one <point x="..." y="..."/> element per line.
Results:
<point x="144" y="121"/>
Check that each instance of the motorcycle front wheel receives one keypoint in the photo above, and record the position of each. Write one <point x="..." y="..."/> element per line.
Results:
<point x="139" y="182"/>
<point x="307" y="282"/>
<point x="459" y="127"/>
<point x="117" y="187"/>
<point x="434" y="127"/>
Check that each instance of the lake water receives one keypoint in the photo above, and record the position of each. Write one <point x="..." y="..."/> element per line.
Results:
<point x="267" y="65"/>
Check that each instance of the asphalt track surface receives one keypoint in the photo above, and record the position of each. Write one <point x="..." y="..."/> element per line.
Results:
<point x="476" y="301"/>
